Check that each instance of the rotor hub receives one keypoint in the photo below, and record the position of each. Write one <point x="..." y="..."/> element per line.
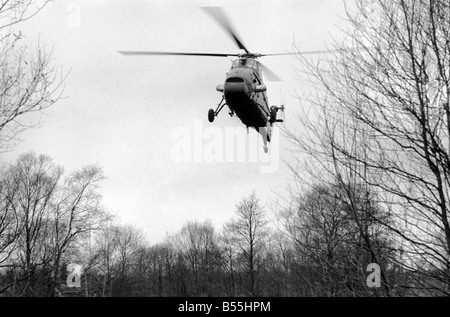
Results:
<point x="249" y="55"/>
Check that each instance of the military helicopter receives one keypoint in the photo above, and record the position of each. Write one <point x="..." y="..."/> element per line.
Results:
<point x="243" y="91"/>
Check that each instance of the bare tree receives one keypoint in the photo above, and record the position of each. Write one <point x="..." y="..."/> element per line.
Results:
<point x="336" y="232"/>
<point x="27" y="83"/>
<point x="119" y="248"/>
<point x="75" y="212"/>
<point x="278" y="269"/>
<point x="130" y="242"/>
<point x="229" y="262"/>
<point x="156" y="275"/>
<point x="197" y="244"/>
<point x="380" y="117"/>
<point x="249" y="232"/>
<point x="10" y="228"/>
<point x="36" y="181"/>
<point x="44" y="218"/>
<point x="106" y="247"/>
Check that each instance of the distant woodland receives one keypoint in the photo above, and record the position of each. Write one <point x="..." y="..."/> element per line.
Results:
<point x="323" y="244"/>
<point x="371" y="170"/>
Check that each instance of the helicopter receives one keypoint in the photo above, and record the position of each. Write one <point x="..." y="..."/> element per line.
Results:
<point x="243" y="90"/>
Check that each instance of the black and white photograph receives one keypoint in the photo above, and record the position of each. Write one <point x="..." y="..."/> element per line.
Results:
<point x="224" y="154"/>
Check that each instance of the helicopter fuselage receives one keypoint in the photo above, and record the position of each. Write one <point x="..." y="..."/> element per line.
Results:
<point x="245" y="93"/>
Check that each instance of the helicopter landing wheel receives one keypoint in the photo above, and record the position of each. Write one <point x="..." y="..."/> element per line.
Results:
<point x="211" y="115"/>
<point x="273" y="113"/>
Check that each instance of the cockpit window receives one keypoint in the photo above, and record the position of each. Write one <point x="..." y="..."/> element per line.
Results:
<point x="243" y="62"/>
<point x="239" y="63"/>
<point x="251" y="63"/>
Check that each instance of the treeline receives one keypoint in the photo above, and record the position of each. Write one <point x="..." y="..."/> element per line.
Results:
<point x="324" y="242"/>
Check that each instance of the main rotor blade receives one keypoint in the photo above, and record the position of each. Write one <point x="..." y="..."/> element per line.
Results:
<point x="174" y="53"/>
<point x="302" y="53"/>
<point x="270" y="75"/>
<point x="219" y="15"/>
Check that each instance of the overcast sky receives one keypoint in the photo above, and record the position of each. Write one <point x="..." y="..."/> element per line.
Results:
<point x="131" y="115"/>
